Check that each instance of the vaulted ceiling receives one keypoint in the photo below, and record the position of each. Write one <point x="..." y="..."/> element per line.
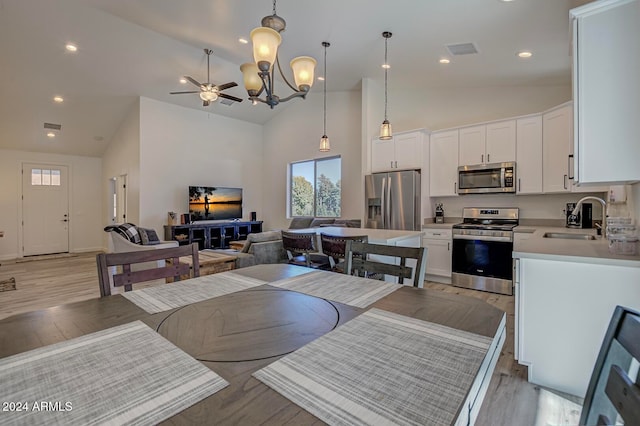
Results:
<point x="132" y="48"/>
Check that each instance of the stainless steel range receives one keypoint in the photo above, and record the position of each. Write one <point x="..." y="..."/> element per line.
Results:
<point x="482" y="248"/>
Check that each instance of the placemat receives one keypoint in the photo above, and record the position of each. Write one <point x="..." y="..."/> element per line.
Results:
<point x="182" y="293"/>
<point x="381" y="368"/>
<point x="343" y="288"/>
<point x="127" y="374"/>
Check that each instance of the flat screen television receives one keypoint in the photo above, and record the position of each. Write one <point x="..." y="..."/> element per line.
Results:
<point x="214" y="203"/>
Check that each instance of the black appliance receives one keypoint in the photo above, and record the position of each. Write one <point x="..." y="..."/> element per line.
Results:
<point x="482" y="249"/>
<point x="582" y="219"/>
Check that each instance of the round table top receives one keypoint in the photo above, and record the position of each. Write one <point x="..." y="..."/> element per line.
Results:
<point x="272" y="322"/>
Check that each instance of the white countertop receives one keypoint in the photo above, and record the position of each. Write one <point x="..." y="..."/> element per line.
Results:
<point x="581" y="251"/>
<point x="376" y="236"/>
<point x="438" y="225"/>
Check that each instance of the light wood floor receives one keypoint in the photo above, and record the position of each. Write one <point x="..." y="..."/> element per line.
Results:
<point x="510" y="400"/>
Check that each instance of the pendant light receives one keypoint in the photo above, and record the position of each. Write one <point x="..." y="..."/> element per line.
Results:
<point x="325" y="146"/>
<point x="385" y="128"/>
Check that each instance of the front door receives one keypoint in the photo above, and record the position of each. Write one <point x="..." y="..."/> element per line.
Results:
<point x="45" y="209"/>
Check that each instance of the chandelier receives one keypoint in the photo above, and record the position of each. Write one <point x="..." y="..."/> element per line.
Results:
<point x="259" y="76"/>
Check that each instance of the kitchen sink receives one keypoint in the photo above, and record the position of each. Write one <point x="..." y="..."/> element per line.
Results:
<point x="569" y="236"/>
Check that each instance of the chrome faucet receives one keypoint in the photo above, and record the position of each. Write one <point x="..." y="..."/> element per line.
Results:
<point x="604" y="211"/>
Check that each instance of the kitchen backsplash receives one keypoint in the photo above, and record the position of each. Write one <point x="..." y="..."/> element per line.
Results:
<point x="547" y="206"/>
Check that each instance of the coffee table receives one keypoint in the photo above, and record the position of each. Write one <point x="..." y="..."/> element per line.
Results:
<point x="211" y="262"/>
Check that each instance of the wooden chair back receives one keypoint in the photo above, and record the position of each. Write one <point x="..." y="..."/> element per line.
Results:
<point x="336" y="246"/>
<point x="613" y="395"/>
<point x="172" y="267"/>
<point x="360" y="262"/>
<point x="302" y="249"/>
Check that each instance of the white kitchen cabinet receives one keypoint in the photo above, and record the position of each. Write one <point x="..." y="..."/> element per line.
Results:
<point x="529" y="155"/>
<point x="438" y="242"/>
<point x="443" y="163"/>
<point x="490" y="143"/>
<point x="501" y="142"/>
<point x="556" y="148"/>
<point x="606" y="89"/>
<point x="402" y="152"/>
<point x="472" y="145"/>
<point x="563" y="309"/>
<point x="557" y="153"/>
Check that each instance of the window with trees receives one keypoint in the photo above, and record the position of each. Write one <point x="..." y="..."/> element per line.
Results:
<point x="315" y="187"/>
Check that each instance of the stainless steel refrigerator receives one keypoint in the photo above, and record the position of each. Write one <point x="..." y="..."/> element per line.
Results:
<point x="392" y="200"/>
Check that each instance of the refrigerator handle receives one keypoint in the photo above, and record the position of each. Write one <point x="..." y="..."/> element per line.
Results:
<point x="383" y="204"/>
<point x="388" y="202"/>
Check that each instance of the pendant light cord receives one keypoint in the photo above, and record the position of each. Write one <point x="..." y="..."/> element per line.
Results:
<point x="386" y="69"/>
<point x="274" y="7"/>
<point x="324" y="86"/>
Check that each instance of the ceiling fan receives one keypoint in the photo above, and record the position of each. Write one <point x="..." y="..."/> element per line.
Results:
<point x="210" y="92"/>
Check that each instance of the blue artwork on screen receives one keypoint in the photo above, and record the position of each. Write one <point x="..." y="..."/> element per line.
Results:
<point x="215" y="203"/>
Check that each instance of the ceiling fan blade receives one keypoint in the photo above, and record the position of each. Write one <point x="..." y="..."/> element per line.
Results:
<point x="193" y="81"/>
<point x="179" y="93"/>
<point x="233" y="98"/>
<point x="205" y="103"/>
<point x="227" y="85"/>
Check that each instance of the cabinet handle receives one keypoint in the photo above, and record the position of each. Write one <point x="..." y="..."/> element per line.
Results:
<point x="455" y="187"/>
<point x="482" y="158"/>
<point x="391" y="162"/>
<point x="569" y="158"/>
<point x="396" y="164"/>
<point x="488" y="155"/>
<point x="448" y="246"/>
<point x="437" y="233"/>
<point x="564" y="182"/>
<point x="519" y="185"/>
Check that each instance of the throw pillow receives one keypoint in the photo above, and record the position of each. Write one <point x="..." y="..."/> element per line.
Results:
<point x="128" y="231"/>
<point x="148" y="236"/>
<point x="300" y="222"/>
<point x="349" y="223"/>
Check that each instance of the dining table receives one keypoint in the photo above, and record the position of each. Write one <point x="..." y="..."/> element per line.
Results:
<point x="242" y="334"/>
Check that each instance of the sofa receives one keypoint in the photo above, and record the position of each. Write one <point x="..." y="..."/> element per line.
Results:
<point x="314" y="222"/>
<point x="128" y="237"/>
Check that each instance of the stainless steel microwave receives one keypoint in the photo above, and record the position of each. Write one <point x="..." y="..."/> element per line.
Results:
<point x="487" y="178"/>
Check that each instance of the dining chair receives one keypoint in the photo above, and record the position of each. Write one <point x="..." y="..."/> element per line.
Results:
<point x="336" y="248"/>
<point x="363" y="259"/>
<point x="302" y="250"/>
<point x="126" y="277"/>
<point x="613" y="397"/>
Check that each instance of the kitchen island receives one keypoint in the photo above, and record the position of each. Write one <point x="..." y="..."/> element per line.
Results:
<point x="565" y="293"/>
<point x="388" y="237"/>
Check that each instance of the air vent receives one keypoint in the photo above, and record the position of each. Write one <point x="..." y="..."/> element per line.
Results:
<point x="462" y="49"/>
<point x="52" y="126"/>
<point x="227" y="102"/>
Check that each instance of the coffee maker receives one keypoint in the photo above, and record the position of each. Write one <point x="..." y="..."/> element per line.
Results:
<point x="582" y="219"/>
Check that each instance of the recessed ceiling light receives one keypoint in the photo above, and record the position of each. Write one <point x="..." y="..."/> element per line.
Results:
<point x="506" y="1"/>
<point x="243" y="40"/>
<point x="386" y="66"/>
<point x="525" y="54"/>
<point x="58" y="99"/>
<point x="183" y="80"/>
<point x="71" y="47"/>
<point x="51" y="135"/>
<point x="320" y="78"/>
<point x="444" y="61"/>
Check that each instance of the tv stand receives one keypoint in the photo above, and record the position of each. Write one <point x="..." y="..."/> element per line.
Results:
<point x="211" y="234"/>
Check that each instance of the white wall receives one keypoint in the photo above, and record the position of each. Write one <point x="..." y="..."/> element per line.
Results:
<point x="122" y="157"/>
<point x="180" y="147"/>
<point x="294" y="135"/>
<point x="85" y="209"/>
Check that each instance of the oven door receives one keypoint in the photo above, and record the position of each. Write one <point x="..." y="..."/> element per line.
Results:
<point x="483" y="263"/>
